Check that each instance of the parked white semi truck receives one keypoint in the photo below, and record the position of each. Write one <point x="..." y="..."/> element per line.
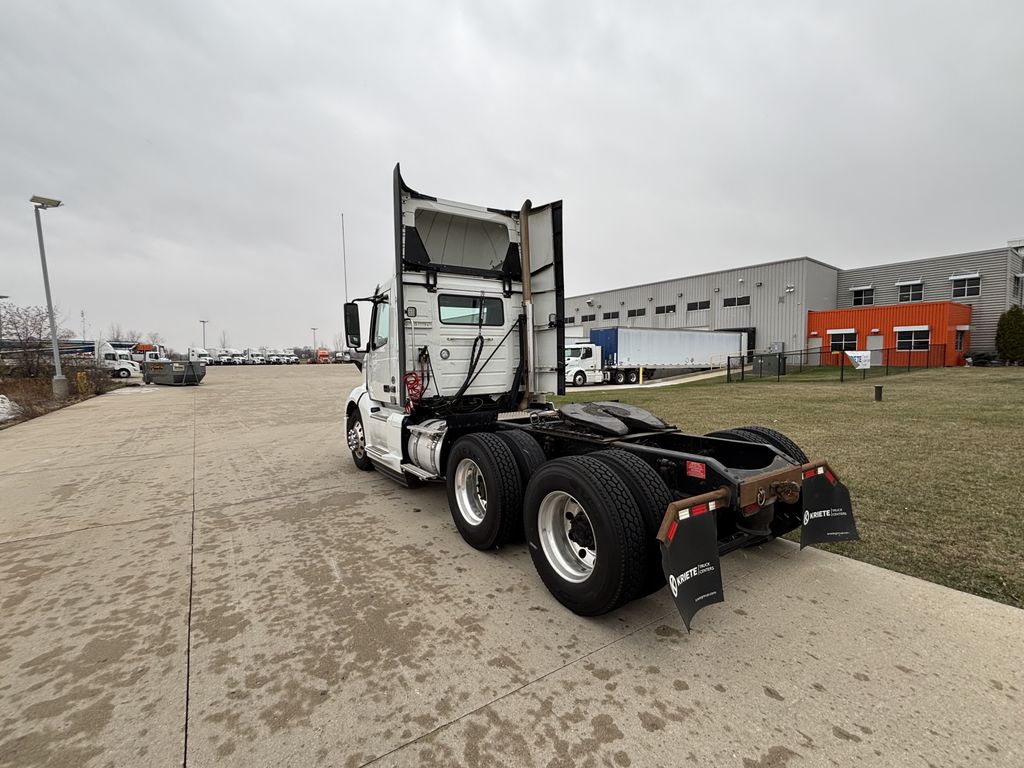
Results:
<point x="625" y="355"/>
<point x="118" y="361"/>
<point x="465" y="346"/>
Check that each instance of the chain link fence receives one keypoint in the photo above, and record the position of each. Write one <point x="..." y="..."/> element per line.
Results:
<point x="826" y="365"/>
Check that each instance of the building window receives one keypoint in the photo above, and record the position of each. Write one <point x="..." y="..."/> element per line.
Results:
<point x="570" y="320"/>
<point x="864" y="297"/>
<point x="610" y="316"/>
<point x="587" y="318"/>
<point x="968" y="286"/>
<point x="960" y="340"/>
<point x="843" y="342"/>
<point x="912" y="292"/>
<point x="637" y="312"/>
<point x="736" y="301"/>
<point x="668" y="309"/>
<point x="695" y="306"/>
<point x="913" y="340"/>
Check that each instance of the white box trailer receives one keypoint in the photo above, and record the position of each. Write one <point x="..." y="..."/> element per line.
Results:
<point x="619" y="355"/>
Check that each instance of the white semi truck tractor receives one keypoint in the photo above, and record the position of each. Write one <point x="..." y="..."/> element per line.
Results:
<point x="464" y="349"/>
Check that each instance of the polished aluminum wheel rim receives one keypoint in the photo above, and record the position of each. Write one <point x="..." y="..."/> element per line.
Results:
<point x="470" y="492"/>
<point x="560" y="520"/>
<point x="357" y="440"/>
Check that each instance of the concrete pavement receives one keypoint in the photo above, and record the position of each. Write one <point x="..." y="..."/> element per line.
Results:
<point x="205" y="565"/>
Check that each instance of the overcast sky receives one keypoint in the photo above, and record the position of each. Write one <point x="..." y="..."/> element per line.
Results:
<point x="205" y="151"/>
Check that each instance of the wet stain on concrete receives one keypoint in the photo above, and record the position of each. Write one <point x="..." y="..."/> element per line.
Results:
<point x="775" y="757"/>
<point x="840" y="733"/>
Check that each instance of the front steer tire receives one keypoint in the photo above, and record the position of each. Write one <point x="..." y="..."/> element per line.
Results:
<point x="485" y="493"/>
<point x="612" y="520"/>
<point x="355" y="435"/>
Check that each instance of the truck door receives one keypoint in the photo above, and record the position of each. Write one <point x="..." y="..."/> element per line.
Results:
<point x="380" y="376"/>
<point x="545" y="227"/>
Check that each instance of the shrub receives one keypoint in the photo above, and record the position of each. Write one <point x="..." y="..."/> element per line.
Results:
<point x="1010" y="335"/>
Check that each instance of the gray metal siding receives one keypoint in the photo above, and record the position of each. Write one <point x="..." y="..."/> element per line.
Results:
<point x="789" y="289"/>
<point x="777" y="309"/>
<point x="993" y="266"/>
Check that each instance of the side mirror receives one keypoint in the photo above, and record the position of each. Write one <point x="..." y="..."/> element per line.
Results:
<point x="353" y="335"/>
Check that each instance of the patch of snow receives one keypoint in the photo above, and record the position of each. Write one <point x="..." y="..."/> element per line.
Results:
<point x="8" y="409"/>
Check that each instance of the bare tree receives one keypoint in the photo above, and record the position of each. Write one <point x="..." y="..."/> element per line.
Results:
<point x="154" y="338"/>
<point x="28" y="331"/>
<point x="339" y="342"/>
<point x="225" y="341"/>
<point x="115" y="332"/>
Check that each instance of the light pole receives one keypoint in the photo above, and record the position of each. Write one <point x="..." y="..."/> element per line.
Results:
<point x="204" y="322"/>
<point x="2" y="329"/>
<point x="344" y="256"/>
<point x="314" y="342"/>
<point x="60" y="384"/>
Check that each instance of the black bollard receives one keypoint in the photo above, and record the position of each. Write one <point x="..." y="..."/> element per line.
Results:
<point x="878" y="393"/>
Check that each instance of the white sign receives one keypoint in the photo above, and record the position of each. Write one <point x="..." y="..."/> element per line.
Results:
<point x="860" y="360"/>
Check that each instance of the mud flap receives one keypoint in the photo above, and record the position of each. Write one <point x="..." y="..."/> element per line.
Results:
<point x="689" y="558"/>
<point x="828" y="513"/>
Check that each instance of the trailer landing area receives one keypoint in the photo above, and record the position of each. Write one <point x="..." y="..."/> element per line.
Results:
<point x="234" y="584"/>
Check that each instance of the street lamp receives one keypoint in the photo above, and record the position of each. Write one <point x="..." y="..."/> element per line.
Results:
<point x="314" y="341"/>
<point x="2" y="326"/>
<point x="60" y="384"/>
<point x="204" y="322"/>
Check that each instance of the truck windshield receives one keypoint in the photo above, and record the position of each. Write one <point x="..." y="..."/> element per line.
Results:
<point x="573" y="351"/>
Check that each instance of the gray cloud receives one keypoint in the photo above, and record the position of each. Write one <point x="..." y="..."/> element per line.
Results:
<point x="205" y="151"/>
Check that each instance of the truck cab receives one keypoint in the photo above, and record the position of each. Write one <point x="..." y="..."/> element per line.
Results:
<point x="455" y="331"/>
<point x="583" y="364"/>
<point x="118" y="362"/>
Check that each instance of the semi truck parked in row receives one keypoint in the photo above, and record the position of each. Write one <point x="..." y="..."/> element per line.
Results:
<point x="465" y="345"/>
<point x="118" y="361"/>
<point x="625" y="355"/>
<point x="142" y="353"/>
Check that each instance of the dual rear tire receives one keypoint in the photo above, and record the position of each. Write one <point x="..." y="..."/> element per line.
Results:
<point x="589" y="521"/>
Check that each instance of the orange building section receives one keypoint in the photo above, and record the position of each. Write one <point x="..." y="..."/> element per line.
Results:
<point x="876" y="328"/>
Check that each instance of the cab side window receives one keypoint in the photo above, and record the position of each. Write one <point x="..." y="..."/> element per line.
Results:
<point x="381" y="323"/>
<point x="587" y="353"/>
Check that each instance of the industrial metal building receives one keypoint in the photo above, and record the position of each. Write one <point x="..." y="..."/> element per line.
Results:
<point x="771" y="301"/>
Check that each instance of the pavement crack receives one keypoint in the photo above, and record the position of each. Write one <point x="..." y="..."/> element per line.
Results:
<point x="191" y="584"/>
<point x="514" y="691"/>
<point x="58" y="534"/>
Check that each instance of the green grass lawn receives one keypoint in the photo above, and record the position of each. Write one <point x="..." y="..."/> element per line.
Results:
<point x="934" y="470"/>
